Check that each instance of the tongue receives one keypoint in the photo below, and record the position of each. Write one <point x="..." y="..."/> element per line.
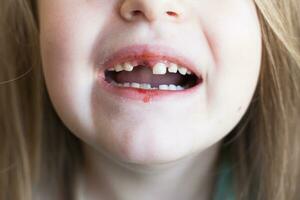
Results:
<point x="143" y="74"/>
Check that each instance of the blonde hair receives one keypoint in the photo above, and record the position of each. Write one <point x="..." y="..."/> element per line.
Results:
<point x="37" y="151"/>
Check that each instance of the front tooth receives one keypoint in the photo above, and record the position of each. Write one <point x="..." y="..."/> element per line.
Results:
<point x="119" y="68"/>
<point x="114" y="83"/>
<point x="128" y="67"/>
<point x="179" y="87"/>
<point x="159" y="68"/>
<point x="182" y="70"/>
<point x="173" y="68"/>
<point x="135" y="85"/>
<point x="172" y="87"/>
<point x="126" y="84"/>
<point x="145" y="86"/>
<point x="189" y="72"/>
<point x="163" y="87"/>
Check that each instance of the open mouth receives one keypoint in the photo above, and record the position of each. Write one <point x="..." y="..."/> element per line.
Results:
<point x="159" y="75"/>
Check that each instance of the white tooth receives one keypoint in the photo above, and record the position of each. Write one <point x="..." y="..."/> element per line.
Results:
<point x="172" y="87"/>
<point x="111" y="69"/>
<point x="163" y="87"/>
<point x="128" y="67"/>
<point x="145" y="86"/>
<point x="179" y="87"/>
<point x="159" y="68"/>
<point x="173" y="68"/>
<point x="189" y="72"/>
<point x="182" y="70"/>
<point x="120" y="84"/>
<point x="126" y="84"/>
<point x="119" y="68"/>
<point x="114" y="83"/>
<point x="135" y="85"/>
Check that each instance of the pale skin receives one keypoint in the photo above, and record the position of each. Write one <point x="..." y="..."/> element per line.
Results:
<point x="166" y="149"/>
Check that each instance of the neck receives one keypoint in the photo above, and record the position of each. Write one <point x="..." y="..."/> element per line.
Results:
<point x="189" y="178"/>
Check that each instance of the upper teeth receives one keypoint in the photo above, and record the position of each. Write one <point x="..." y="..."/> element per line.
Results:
<point x="119" y="68"/>
<point x="158" y="68"/>
<point x="173" y="68"/>
<point x="128" y="67"/>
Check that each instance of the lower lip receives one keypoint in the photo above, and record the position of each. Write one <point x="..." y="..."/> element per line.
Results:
<point x="145" y="96"/>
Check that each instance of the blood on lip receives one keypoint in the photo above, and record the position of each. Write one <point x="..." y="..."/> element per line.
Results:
<point x="147" y="94"/>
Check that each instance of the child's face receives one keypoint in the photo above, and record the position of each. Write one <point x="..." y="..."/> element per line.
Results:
<point x="222" y="39"/>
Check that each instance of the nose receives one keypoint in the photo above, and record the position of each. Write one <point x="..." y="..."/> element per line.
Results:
<point x="151" y="10"/>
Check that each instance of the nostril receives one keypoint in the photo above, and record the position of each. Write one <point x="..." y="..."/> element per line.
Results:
<point x="136" y="12"/>
<point x="171" y="13"/>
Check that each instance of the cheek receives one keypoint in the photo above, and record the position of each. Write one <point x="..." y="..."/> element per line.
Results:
<point x="66" y="39"/>
<point x="69" y="29"/>
<point x="67" y="33"/>
<point x="235" y="42"/>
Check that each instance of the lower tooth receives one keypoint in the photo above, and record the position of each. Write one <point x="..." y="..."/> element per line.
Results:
<point x="172" y="87"/>
<point x="135" y="85"/>
<point x="145" y="86"/>
<point x="179" y="87"/>
<point x="148" y="86"/>
<point x="126" y="84"/>
<point x="163" y="87"/>
<point x="114" y="83"/>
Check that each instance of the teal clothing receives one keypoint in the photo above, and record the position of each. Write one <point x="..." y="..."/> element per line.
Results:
<point x="224" y="187"/>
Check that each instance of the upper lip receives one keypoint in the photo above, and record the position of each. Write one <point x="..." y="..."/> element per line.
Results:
<point x="150" y="53"/>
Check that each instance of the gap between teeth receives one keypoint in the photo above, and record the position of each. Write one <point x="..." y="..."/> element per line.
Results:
<point x="158" y="68"/>
<point x="147" y="86"/>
